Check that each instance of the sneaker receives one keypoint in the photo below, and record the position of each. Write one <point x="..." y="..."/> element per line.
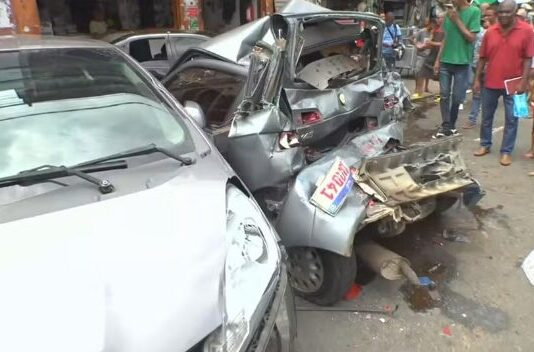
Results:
<point x="461" y="107"/>
<point x="454" y="132"/>
<point x="442" y="133"/>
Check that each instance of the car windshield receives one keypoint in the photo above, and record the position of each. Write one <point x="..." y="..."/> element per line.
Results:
<point x="69" y="105"/>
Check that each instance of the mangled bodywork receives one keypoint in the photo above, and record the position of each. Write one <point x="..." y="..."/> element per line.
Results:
<point x="316" y="93"/>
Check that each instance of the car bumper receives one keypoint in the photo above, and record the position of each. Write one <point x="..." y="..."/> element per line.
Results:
<point x="279" y="328"/>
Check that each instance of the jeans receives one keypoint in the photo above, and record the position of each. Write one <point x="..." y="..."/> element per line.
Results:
<point x="490" y="98"/>
<point x="452" y="78"/>
<point x="475" y="108"/>
<point x="471" y="75"/>
<point x="390" y="62"/>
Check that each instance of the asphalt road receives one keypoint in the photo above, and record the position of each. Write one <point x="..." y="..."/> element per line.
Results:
<point x="487" y="303"/>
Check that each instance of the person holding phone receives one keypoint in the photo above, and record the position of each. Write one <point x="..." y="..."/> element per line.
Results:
<point x="462" y="23"/>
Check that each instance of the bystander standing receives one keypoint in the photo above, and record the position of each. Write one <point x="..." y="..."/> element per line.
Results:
<point x="420" y="41"/>
<point x="392" y="38"/>
<point x="456" y="54"/>
<point x="507" y="50"/>
<point x="489" y="19"/>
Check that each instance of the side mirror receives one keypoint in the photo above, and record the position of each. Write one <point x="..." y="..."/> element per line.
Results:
<point x="197" y="114"/>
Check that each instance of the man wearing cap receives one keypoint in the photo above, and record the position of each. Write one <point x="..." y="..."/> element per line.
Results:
<point x="507" y="50"/>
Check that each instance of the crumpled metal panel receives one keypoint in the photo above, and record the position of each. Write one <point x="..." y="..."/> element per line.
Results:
<point x="394" y="85"/>
<point x="237" y="43"/>
<point x="319" y="73"/>
<point x="270" y="120"/>
<point x="302" y="224"/>
<point x="310" y="99"/>
<point x="357" y="97"/>
<point x="260" y="163"/>
<point x="425" y="171"/>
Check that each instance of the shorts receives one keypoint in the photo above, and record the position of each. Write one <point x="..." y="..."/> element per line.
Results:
<point x="419" y="62"/>
<point x="422" y="69"/>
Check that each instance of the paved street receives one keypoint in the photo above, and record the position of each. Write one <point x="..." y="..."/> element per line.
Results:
<point x="487" y="301"/>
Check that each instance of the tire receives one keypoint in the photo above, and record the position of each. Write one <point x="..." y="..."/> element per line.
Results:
<point x="320" y="276"/>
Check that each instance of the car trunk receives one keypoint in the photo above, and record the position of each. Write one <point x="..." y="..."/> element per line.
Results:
<point x="335" y="75"/>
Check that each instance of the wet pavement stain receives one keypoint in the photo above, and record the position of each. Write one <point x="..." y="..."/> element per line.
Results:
<point x="472" y="314"/>
<point x="491" y="217"/>
<point x="428" y="254"/>
<point x="419" y="299"/>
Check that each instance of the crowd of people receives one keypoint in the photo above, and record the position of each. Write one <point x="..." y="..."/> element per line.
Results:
<point x="484" y="49"/>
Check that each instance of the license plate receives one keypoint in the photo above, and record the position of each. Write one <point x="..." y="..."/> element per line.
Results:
<point x="333" y="189"/>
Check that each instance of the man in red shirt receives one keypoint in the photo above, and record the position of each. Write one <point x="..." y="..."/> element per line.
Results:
<point x="507" y="50"/>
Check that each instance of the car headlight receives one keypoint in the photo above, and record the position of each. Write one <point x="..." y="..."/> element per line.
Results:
<point x="252" y="261"/>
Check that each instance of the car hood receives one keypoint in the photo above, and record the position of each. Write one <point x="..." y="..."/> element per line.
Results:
<point x="141" y="272"/>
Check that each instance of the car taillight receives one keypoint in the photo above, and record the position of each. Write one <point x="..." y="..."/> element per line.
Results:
<point x="311" y="117"/>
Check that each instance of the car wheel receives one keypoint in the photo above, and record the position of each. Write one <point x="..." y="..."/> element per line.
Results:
<point x="320" y="276"/>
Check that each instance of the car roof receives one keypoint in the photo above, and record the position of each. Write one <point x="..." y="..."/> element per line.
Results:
<point x="28" y="42"/>
<point x="122" y="35"/>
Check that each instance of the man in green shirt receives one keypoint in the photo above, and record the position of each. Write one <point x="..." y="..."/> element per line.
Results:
<point x="462" y="23"/>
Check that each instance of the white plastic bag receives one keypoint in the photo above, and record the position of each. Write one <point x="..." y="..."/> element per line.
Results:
<point x="528" y="267"/>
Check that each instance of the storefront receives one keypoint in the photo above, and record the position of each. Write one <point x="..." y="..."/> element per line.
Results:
<point x="407" y="12"/>
<point x="97" y="17"/>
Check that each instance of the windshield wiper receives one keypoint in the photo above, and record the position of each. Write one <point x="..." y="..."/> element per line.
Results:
<point x="148" y="149"/>
<point x="49" y="172"/>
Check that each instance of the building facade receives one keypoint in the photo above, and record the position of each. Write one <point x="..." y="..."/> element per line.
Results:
<point x="78" y="17"/>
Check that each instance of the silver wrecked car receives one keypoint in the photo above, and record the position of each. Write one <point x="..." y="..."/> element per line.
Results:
<point x="121" y="226"/>
<point x="301" y="106"/>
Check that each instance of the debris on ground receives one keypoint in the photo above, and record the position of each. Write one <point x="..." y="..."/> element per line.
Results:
<point x="353" y="293"/>
<point x="386" y="310"/>
<point x="528" y="267"/>
<point x="447" y="331"/>
<point x="454" y="236"/>
<point x="426" y="281"/>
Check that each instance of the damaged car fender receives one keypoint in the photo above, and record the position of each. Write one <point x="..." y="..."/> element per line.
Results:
<point x="301" y="223"/>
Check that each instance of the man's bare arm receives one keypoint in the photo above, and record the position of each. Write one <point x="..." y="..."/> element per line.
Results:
<point x="527" y="63"/>
<point x="466" y="33"/>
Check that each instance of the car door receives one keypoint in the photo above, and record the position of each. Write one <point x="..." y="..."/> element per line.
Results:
<point x="216" y="86"/>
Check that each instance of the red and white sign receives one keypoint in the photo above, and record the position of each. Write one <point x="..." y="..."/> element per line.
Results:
<point x="333" y="188"/>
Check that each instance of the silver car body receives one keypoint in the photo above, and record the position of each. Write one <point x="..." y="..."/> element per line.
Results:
<point x="139" y="269"/>
<point x="176" y="43"/>
<point x="253" y="143"/>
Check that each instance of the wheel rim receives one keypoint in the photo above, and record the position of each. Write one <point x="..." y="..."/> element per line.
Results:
<point x="306" y="270"/>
